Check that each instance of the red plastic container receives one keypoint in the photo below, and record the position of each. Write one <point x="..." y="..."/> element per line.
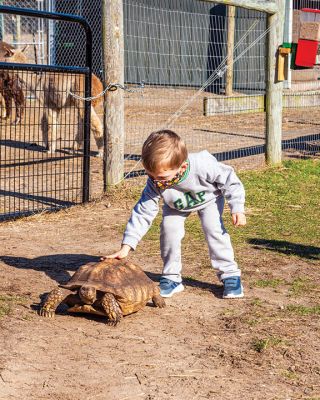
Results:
<point x="306" y="53"/>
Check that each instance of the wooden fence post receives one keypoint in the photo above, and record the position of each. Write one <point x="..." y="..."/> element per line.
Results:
<point x="230" y="49"/>
<point x="113" y="56"/>
<point x="274" y="88"/>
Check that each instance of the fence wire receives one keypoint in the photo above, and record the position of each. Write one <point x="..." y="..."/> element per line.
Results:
<point x="32" y="178"/>
<point x="301" y="133"/>
<point x="21" y="31"/>
<point x="174" y="48"/>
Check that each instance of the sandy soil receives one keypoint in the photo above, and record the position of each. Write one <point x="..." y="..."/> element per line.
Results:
<point x="199" y="347"/>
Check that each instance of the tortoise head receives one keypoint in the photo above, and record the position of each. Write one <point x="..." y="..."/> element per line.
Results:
<point x="88" y="294"/>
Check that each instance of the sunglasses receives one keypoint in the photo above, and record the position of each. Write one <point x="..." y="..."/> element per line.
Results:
<point x="164" y="184"/>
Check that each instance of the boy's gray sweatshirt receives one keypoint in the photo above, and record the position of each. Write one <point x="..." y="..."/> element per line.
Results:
<point x="204" y="181"/>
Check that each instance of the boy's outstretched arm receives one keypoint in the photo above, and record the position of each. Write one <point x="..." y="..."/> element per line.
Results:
<point x="140" y="221"/>
<point x="122" y="253"/>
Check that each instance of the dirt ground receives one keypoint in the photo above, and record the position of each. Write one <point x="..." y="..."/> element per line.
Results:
<point x="199" y="347"/>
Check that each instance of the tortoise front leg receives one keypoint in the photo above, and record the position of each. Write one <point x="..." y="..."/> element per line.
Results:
<point x="53" y="299"/>
<point x="111" y="308"/>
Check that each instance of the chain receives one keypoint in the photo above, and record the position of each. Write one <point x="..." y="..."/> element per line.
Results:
<point x="110" y="88"/>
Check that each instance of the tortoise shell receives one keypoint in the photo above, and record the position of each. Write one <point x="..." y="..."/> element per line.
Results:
<point x="129" y="284"/>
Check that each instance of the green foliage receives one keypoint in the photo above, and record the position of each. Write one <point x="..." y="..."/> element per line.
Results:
<point x="268" y="283"/>
<point x="300" y="286"/>
<point x="261" y="345"/>
<point x="7" y="302"/>
<point x="283" y="209"/>
<point x="303" y="310"/>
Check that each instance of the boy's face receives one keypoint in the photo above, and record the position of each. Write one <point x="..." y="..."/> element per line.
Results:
<point x="166" y="177"/>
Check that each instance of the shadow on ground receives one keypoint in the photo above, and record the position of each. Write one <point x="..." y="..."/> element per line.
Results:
<point x="288" y="248"/>
<point x="56" y="266"/>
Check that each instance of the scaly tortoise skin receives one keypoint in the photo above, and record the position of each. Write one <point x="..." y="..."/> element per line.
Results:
<point x="112" y="288"/>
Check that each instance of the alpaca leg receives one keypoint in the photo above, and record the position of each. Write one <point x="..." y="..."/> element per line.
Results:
<point x="8" y="102"/>
<point x="78" y="140"/>
<point x="44" y="130"/>
<point x="97" y="130"/>
<point x="19" y="101"/>
<point x="3" y="111"/>
<point x="49" y="129"/>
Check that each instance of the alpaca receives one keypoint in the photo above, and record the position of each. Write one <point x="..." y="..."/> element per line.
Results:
<point x="53" y="90"/>
<point x="10" y="87"/>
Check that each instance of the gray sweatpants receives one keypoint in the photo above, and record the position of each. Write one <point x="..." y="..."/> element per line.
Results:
<point x="220" y="248"/>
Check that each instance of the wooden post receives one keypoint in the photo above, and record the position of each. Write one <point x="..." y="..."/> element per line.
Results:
<point x="274" y="88"/>
<point x="268" y="6"/>
<point x="230" y="47"/>
<point x="113" y="46"/>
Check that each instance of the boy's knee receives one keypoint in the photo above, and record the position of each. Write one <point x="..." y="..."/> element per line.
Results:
<point x="172" y="231"/>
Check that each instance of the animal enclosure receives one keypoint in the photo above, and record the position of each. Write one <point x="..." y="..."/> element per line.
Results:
<point x="40" y="165"/>
<point x="177" y="66"/>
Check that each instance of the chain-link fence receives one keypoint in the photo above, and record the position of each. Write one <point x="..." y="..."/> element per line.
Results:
<point x="21" y="31"/>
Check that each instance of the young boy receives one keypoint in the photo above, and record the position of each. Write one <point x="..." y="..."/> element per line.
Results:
<point x="186" y="183"/>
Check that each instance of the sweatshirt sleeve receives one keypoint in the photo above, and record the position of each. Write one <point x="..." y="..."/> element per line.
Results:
<point x="142" y="216"/>
<point x="226" y="180"/>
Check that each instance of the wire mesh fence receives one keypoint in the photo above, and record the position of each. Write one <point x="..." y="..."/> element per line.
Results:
<point x="182" y="53"/>
<point x="302" y="97"/>
<point x="44" y="144"/>
<point x="34" y="177"/>
<point x="20" y="31"/>
<point x="179" y="51"/>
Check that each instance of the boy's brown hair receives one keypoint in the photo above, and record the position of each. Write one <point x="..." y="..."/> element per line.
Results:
<point x="163" y="148"/>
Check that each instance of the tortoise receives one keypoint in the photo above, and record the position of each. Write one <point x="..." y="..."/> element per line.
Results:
<point x="111" y="287"/>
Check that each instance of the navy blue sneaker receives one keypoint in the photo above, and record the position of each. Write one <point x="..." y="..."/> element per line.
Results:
<point x="168" y="287"/>
<point x="232" y="288"/>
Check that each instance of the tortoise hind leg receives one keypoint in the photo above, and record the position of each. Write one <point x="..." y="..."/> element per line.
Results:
<point x="157" y="300"/>
<point x="111" y="308"/>
<point x="53" y="299"/>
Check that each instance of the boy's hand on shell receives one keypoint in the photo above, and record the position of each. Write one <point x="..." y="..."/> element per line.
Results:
<point x="239" y="219"/>
<point x="122" y="253"/>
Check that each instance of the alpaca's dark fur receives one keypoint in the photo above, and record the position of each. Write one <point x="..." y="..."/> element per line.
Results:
<point x="10" y="87"/>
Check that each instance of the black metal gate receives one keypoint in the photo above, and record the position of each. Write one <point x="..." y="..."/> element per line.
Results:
<point x="40" y="169"/>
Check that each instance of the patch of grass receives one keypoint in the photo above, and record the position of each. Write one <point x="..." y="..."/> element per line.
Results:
<point x="256" y="302"/>
<point x="261" y="345"/>
<point x="301" y="286"/>
<point x="7" y="302"/>
<point x="253" y="321"/>
<point x="287" y="197"/>
<point x="303" y="310"/>
<point x="263" y="283"/>
<point x="289" y="374"/>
